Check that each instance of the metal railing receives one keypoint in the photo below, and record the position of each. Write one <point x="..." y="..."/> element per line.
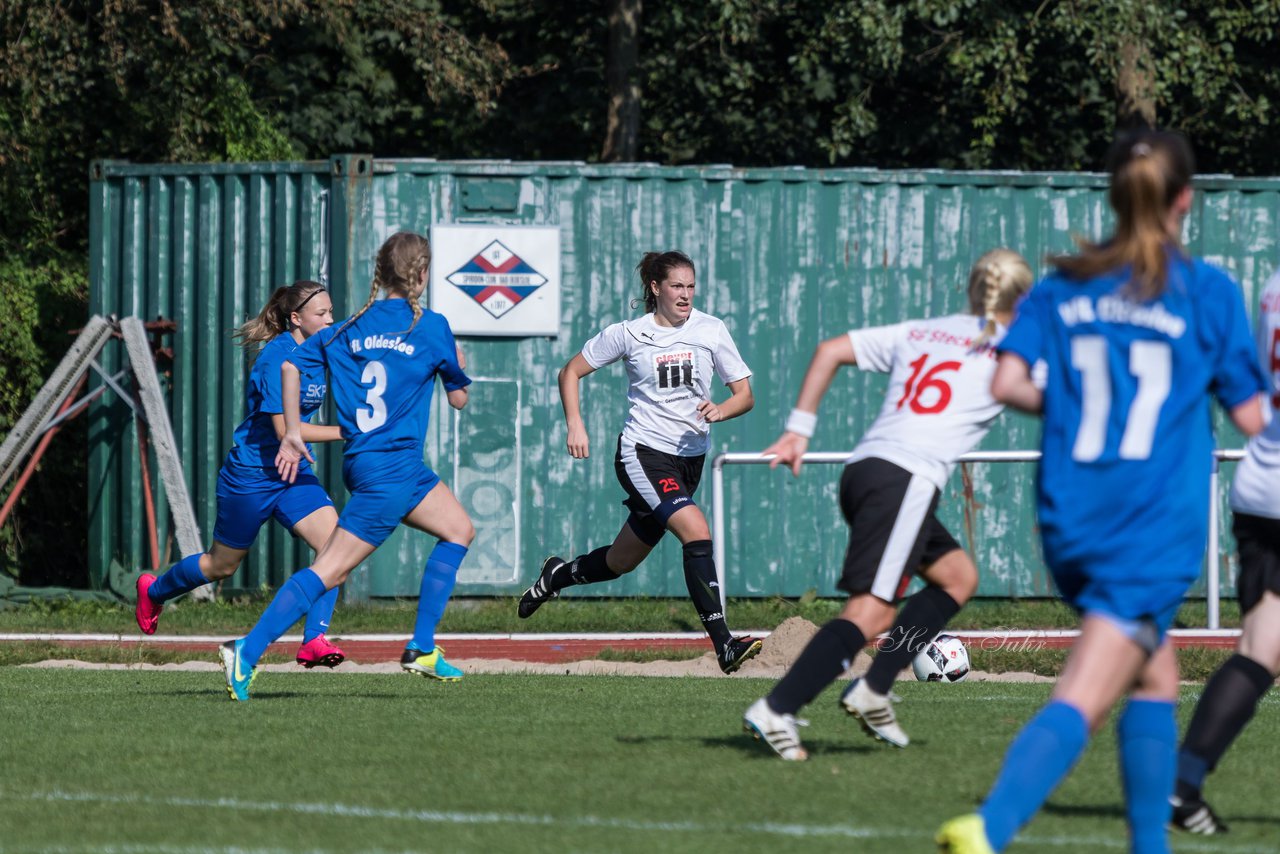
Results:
<point x="718" y="463"/>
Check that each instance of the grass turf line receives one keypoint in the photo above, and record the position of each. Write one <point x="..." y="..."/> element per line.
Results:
<point x="100" y="759"/>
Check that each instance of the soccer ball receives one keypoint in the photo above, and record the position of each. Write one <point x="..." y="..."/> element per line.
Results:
<point x="943" y="660"/>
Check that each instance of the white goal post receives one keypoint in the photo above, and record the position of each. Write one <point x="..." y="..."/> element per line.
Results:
<point x="719" y="531"/>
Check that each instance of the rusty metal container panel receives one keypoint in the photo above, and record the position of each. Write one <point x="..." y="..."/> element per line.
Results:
<point x="786" y="256"/>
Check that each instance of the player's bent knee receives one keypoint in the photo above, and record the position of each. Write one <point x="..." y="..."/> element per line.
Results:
<point x="872" y="616"/>
<point x="220" y="571"/>
<point x="465" y="535"/>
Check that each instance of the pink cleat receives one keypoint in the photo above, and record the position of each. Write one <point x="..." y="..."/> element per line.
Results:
<point x="146" y="612"/>
<point x="318" y="651"/>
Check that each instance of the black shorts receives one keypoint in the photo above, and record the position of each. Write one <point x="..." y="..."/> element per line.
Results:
<point x="893" y="531"/>
<point x="657" y="485"/>
<point x="1258" y="545"/>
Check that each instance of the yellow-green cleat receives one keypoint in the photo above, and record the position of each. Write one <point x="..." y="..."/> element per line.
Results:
<point x="966" y="834"/>
<point x="238" y="677"/>
<point x="429" y="664"/>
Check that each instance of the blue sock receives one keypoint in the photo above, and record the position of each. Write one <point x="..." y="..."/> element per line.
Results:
<point x="1192" y="769"/>
<point x="1038" y="759"/>
<point x="437" y="583"/>
<point x="1147" y="736"/>
<point x="319" y="616"/>
<point x="178" y="579"/>
<point x="294" y="598"/>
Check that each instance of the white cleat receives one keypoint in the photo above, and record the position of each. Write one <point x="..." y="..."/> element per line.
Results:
<point x="777" y="731"/>
<point x="875" y="713"/>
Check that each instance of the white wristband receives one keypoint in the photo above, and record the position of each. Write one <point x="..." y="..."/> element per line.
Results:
<point x="802" y="423"/>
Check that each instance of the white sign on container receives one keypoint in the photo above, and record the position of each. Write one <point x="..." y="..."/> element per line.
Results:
<point x="497" y="279"/>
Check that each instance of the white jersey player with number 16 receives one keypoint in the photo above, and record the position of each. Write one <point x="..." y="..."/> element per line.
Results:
<point x="938" y="407"/>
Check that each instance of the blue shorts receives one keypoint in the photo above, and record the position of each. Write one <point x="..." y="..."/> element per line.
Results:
<point x="384" y="488"/>
<point x="248" y="496"/>
<point x="1127" y="601"/>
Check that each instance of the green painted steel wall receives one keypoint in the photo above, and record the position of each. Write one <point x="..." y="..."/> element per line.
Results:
<point x="786" y="256"/>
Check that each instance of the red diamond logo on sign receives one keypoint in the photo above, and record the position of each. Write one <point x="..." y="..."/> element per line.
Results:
<point x="496" y="278"/>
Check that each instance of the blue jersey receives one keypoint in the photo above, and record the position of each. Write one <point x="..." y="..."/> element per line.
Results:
<point x="255" y="439"/>
<point x="1123" y="485"/>
<point x="382" y="374"/>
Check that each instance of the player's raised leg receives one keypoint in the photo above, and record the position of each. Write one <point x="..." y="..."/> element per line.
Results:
<point x="342" y="553"/>
<point x="194" y="570"/>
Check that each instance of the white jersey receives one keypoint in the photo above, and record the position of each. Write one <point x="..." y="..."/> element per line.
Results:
<point x="1256" y="487"/>
<point x="669" y="368"/>
<point x="939" y="403"/>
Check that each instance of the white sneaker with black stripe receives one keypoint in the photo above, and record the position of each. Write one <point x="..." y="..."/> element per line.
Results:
<point x="875" y="713"/>
<point x="777" y="731"/>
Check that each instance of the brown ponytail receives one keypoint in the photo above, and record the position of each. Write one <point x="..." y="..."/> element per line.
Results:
<point x="1148" y="170"/>
<point x="274" y="317"/>
<point x="654" y="267"/>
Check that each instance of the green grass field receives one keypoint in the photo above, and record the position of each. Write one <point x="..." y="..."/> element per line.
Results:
<point x="162" y="761"/>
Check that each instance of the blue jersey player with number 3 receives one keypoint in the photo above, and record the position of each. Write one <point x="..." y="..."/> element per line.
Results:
<point x="382" y="366"/>
<point x="1135" y="336"/>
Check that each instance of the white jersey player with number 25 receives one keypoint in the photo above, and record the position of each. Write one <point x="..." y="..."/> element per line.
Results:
<point x="672" y="352"/>
<point x="938" y="407"/>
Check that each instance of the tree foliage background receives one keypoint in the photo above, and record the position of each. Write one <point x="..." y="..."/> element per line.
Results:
<point x="961" y="84"/>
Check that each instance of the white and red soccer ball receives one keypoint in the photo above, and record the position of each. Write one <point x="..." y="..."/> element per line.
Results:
<point x="945" y="659"/>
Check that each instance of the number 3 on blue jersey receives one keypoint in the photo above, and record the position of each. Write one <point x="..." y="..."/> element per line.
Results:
<point x="376" y="415"/>
<point x="1151" y="363"/>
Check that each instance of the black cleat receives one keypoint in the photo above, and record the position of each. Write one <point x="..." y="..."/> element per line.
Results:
<point x="541" y="591"/>
<point x="1195" y="816"/>
<point x="738" y="651"/>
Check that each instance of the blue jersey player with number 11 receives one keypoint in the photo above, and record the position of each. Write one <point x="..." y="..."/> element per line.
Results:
<point x="1136" y="336"/>
<point x="382" y="366"/>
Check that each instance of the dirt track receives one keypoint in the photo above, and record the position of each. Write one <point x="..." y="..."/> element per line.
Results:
<point x="780" y="649"/>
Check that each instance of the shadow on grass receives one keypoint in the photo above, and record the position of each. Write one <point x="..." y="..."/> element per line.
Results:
<point x="747" y="744"/>
<point x="1115" y="810"/>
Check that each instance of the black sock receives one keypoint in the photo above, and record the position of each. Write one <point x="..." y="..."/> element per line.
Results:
<point x="828" y="654"/>
<point x="919" y="622"/>
<point x="1229" y="700"/>
<point x="704" y="590"/>
<point x="589" y="568"/>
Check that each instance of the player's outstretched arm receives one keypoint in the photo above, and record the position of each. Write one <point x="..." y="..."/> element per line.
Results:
<point x="828" y="357"/>
<point x="310" y="432"/>
<point x="571" y="374"/>
<point x="1013" y="386"/>
<point x="292" y="448"/>
<point x="740" y="402"/>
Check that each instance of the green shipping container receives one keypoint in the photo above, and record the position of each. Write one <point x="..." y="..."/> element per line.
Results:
<point x="786" y="256"/>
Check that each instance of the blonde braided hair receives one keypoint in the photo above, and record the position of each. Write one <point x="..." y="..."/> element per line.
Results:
<point x="401" y="261"/>
<point x="996" y="283"/>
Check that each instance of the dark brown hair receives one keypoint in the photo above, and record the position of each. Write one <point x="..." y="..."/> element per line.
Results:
<point x="274" y="317"/>
<point x="654" y="267"/>
<point x="1149" y="168"/>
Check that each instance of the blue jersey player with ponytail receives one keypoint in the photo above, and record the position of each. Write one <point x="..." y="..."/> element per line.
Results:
<point x="382" y="365"/>
<point x="249" y="489"/>
<point x="1136" y="337"/>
